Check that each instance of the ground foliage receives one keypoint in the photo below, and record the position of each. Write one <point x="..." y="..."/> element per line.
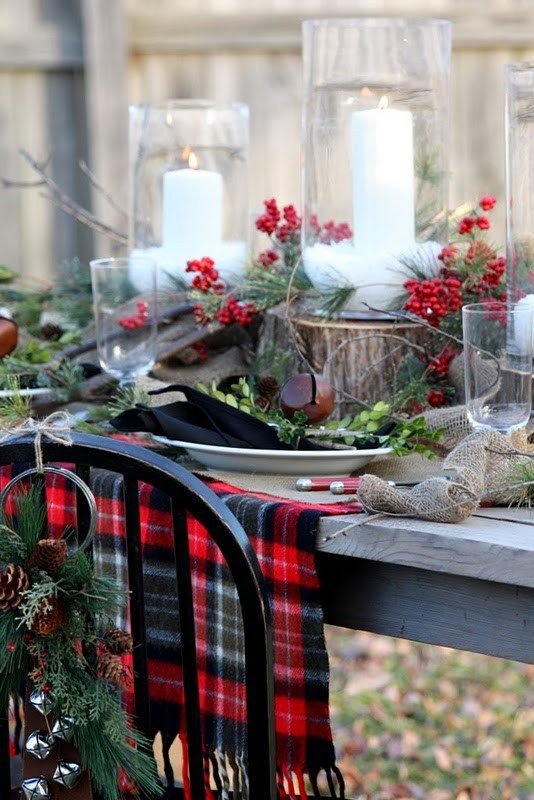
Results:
<point x="416" y="721"/>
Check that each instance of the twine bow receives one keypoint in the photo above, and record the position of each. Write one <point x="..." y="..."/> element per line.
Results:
<point x="57" y="427"/>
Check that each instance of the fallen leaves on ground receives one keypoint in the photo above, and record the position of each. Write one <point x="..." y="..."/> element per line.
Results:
<point x="414" y="721"/>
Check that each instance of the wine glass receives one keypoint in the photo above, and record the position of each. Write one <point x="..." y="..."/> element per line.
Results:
<point x="498" y="349"/>
<point x="125" y="321"/>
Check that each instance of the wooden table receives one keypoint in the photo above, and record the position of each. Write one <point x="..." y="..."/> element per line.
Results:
<point x="468" y="586"/>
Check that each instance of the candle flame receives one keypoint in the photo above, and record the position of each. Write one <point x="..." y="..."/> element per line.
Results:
<point x="190" y="157"/>
<point x="366" y="92"/>
<point x="383" y="103"/>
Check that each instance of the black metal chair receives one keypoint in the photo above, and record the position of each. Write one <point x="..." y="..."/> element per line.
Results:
<point x="187" y="494"/>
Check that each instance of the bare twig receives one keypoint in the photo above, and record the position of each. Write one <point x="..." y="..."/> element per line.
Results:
<point x="8" y="183"/>
<point x="70" y="206"/>
<point x="362" y="375"/>
<point x="363" y="336"/>
<point x="403" y="315"/>
<point x="86" y="218"/>
<point x="95" y="183"/>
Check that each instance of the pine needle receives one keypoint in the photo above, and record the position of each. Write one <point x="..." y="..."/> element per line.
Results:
<point x="16" y="407"/>
<point x="521" y="476"/>
<point x="29" y="518"/>
<point x="127" y="397"/>
<point x="334" y="299"/>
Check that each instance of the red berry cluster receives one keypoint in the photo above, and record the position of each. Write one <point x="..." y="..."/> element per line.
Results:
<point x="267" y="258"/>
<point x="136" y="321"/>
<point x="200" y="315"/>
<point x="449" y="255"/>
<point x="330" y="232"/>
<point x="208" y="278"/>
<point x="230" y="310"/>
<point x="267" y="222"/>
<point x="284" y="226"/>
<point x="436" y="398"/>
<point x="201" y="349"/>
<point x="496" y="309"/>
<point x="476" y="272"/>
<point x="290" y="228"/>
<point x="474" y="220"/>
<point x="434" y="299"/>
<point x="234" y="311"/>
<point x="494" y="271"/>
<point x="439" y="365"/>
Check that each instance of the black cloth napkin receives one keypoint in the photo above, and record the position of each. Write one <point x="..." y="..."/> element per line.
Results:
<point x="205" y="420"/>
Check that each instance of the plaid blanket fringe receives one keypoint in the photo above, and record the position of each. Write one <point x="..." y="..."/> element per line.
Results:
<point x="282" y="534"/>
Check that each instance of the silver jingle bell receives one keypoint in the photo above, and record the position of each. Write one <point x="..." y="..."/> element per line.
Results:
<point x="67" y="774"/>
<point x="41" y="701"/>
<point x="63" y="729"/>
<point x="39" y="745"/>
<point x="35" y="789"/>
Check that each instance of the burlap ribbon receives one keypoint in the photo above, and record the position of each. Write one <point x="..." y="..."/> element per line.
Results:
<point x="57" y="427"/>
<point x="32" y="767"/>
<point x="475" y="471"/>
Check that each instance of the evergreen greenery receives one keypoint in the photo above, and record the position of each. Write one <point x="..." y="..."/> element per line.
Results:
<point x="404" y="436"/>
<point x="64" y="663"/>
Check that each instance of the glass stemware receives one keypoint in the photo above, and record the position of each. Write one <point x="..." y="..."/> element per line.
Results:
<point x="498" y="351"/>
<point x="125" y="322"/>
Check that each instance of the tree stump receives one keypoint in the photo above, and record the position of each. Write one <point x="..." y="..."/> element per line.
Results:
<point x="360" y="358"/>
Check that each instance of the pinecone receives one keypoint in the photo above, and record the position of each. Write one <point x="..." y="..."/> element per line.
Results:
<point x="49" y="555"/>
<point x="13" y="581"/>
<point x="268" y="387"/>
<point x="47" y="621"/>
<point x="118" y="641"/>
<point x="111" y="669"/>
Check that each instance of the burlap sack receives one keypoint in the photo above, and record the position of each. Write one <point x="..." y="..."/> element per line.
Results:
<point x="477" y="469"/>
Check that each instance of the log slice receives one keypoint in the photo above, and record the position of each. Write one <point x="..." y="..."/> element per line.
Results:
<point x="360" y="358"/>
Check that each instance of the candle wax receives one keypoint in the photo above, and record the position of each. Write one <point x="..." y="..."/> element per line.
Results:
<point x="192" y="213"/>
<point x="383" y="180"/>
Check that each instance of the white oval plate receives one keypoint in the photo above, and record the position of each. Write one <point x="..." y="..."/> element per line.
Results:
<point x="278" y="462"/>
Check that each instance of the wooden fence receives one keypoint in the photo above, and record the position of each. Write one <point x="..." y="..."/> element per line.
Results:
<point x="68" y="69"/>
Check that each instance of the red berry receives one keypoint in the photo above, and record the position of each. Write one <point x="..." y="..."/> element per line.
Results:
<point x="466" y="225"/>
<point x="487" y="203"/>
<point x="436" y="398"/>
<point x="10" y="647"/>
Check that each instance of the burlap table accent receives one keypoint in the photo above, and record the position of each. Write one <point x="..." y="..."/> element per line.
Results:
<point x="475" y="471"/>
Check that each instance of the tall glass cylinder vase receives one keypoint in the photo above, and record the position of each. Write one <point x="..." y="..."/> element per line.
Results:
<point x="375" y="141"/>
<point x="188" y="187"/>
<point x="519" y="120"/>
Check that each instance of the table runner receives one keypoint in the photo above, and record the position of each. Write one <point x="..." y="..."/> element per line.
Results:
<point x="283" y="536"/>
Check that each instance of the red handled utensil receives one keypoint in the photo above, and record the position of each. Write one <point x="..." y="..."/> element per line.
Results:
<point x="341" y="485"/>
<point x="318" y="484"/>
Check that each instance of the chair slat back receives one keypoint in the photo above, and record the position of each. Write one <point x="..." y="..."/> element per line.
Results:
<point x="137" y="602"/>
<point x="189" y="654"/>
<point x="187" y="495"/>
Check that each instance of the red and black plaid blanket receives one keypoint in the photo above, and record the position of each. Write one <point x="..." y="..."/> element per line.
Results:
<point x="283" y="536"/>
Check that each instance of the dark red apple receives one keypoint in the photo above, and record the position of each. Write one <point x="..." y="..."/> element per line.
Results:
<point x="308" y="393"/>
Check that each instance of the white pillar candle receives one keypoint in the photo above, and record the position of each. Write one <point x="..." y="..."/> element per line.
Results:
<point x="383" y="179"/>
<point x="192" y="213"/>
